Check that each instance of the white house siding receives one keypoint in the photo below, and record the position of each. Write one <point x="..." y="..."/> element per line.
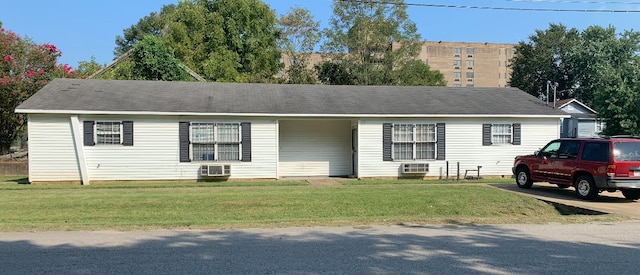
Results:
<point x="52" y="156"/>
<point x="463" y="145"/>
<point x="153" y="156"/>
<point x="315" y="148"/>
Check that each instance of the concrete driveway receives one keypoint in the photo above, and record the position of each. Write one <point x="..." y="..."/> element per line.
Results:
<point x="613" y="203"/>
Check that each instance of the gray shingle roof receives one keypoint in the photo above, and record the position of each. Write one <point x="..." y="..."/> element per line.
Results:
<point x="123" y="96"/>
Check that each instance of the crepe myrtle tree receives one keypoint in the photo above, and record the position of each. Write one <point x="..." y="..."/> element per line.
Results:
<point x="24" y="68"/>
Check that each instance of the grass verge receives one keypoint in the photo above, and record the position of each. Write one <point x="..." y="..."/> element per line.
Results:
<point x="203" y="206"/>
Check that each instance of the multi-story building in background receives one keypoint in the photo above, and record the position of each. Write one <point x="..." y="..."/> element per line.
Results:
<point x="463" y="64"/>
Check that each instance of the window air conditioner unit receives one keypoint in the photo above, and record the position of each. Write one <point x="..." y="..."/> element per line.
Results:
<point x="469" y="68"/>
<point x="456" y="79"/>
<point x="415" y="168"/>
<point x="469" y="55"/>
<point x="215" y="170"/>
<point x="456" y="55"/>
<point x="456" y="68"/>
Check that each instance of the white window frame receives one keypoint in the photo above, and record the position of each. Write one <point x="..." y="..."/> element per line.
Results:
<point x="213" y="139"/>
<point x="101" y="135"/>
<point x="499" y="135"/>
<point x="414" y="140"/>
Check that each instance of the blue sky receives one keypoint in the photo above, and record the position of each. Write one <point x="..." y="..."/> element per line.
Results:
<point x="81" y="28"/>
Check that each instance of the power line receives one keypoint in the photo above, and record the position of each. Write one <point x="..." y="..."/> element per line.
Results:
<point x="576" y="2"/>
<point x="495" y="8"/>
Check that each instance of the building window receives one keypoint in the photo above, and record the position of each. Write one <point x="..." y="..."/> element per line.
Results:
<point x="414" y="141"/>
<point x="457" y="51"/>
<point x="215" y="141"/>
<point x="108" y="133"/>
<point x="470" y="85"/>
<point x="469" y="63"/>
<point x="456" y="75"/>
<point x="457" y="62"/>
<point x="470" y="51"/>
<point x="457" y="85"/>
<point x="501" y="133"/>
<point x="469" y="75"/>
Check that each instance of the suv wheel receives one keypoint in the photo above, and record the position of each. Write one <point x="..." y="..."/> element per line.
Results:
<point x="586" y="188"/>
<point x="523" y="179"/>
<point x="631" y="194"/>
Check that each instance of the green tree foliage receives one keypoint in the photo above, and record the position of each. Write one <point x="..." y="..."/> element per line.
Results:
<point x="226" y="40"/>
<point x="24" y="68"/>
<point x="334" y="73"/>
<point x="87" y="68"/>
<point x="544" y="58"/>
<point x="153" y="60"/>
<point x="596" y="66"/>
<point x="373" y="39"/>
<point x="417" y="73"/>
<point x="299" y="35"/>
<point x="152" y="24"/>
<point x="607" y="69"/>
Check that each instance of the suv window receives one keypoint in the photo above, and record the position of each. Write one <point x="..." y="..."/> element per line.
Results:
<point x="551" y="150"/>
<point x="569" y="149"/>
<point x="595" y="151"/>
<point x="626" y="151"/>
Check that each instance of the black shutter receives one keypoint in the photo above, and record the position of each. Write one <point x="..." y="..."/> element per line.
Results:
<point x="246" y="141"/>
<point x="127" y="131"/>
<point x="441" y="141"/>
<point x="88" y="133"/>
<point x="486" y="134"/>
<point x="516" y="134"/>
<point x="183" y="135"/>
<point x="386" y="141"/>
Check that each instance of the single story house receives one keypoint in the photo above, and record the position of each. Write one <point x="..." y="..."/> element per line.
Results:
<point x="87" y="131"/>
<point x="584" y="121"/>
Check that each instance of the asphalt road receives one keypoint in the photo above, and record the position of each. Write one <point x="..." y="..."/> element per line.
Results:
<point x="606" y="248"/>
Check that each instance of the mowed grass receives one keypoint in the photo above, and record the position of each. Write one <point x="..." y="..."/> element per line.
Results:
<point x="270" y="204"/>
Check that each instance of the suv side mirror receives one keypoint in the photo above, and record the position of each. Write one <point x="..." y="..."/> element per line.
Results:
<point x="536" y="153"/>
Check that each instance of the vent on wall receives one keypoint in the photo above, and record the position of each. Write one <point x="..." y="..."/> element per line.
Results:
<point x="215" y="170"/>
<point x="415" y="168"/>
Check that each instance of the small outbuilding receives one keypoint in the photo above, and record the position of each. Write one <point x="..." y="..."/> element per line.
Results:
<point x="112" y="130"/>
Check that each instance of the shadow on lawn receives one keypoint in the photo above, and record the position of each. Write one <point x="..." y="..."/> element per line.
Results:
<point x="446" y="249"/>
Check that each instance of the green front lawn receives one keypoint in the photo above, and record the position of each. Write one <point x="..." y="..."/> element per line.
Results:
<point x="270" y="204"/>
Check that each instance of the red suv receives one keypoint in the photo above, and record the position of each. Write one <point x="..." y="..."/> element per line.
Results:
<point x="590" y="165"/>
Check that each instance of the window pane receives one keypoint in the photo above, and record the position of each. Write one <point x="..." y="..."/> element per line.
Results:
<point x="228" y="151"/>
<point x="501" y="133"/>
<point x="228" y="133"/>
<point x="202" y="133"/>
<point x="107" y="132"/>
<point x="425" y="132"/>
<point x="402" y="132"/>
<point x="426" y="150"/>
<point x="403" y="150"/>
<point x="203" y="152"/>
<point x="470" y="51"/>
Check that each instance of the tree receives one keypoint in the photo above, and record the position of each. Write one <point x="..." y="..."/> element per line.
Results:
<point x="334" y="73"/>
<point x="24" y="68"/>
<point x="226" y="40"/>
<point x="607" y="72"/>
<point x="373" y="39"/>
<point x="153" y="60"/>
<point x="299" y="35"/>
<point x="417" y="73"/>
<point x="596" y="66"/>
<point x="152" y="24"/>
<point x="87" y="68"/>
<point x="544" y="58"/>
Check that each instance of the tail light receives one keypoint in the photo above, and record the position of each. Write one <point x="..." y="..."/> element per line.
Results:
<point x="611" y="170"/>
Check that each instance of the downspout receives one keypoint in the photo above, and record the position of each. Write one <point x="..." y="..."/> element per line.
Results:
<point x="78" y="146"/>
